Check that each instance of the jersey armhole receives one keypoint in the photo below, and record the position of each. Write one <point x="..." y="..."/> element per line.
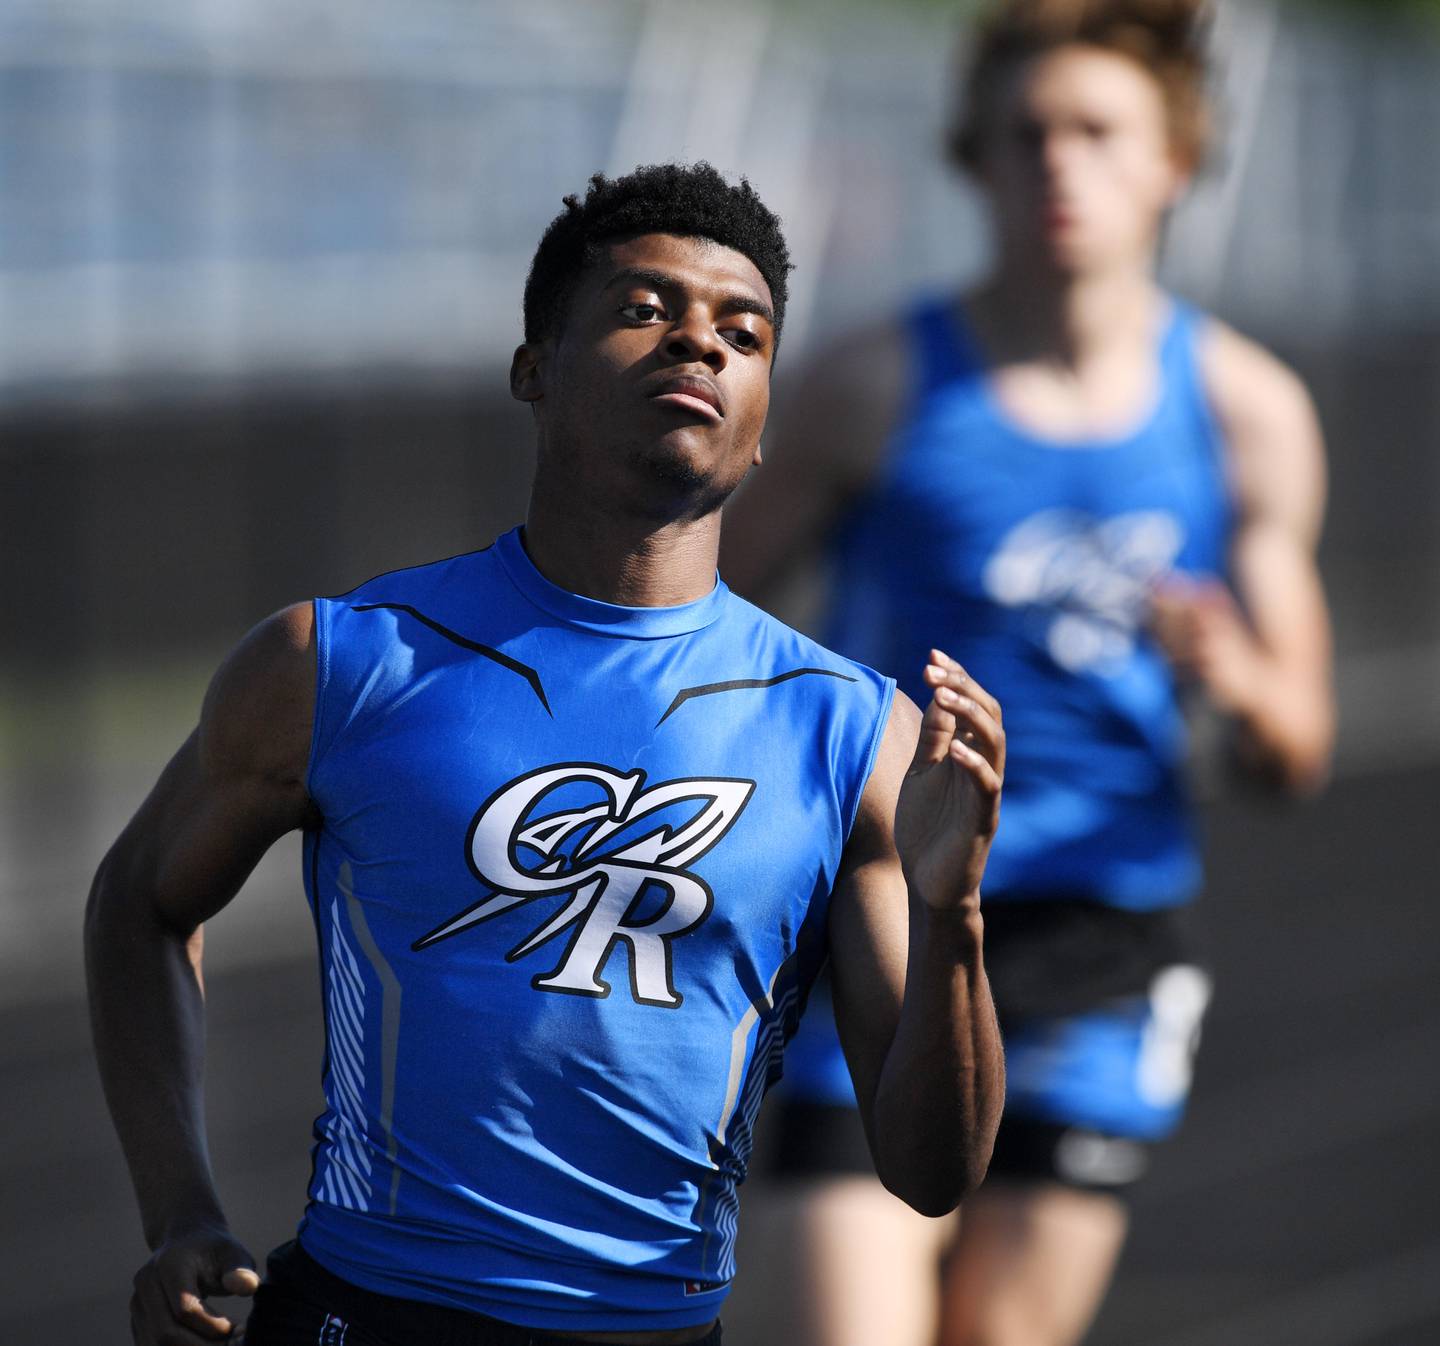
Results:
<point x="867" y="766"/>
<point x="1193" y="329"/>
<point x="318" y="736"/>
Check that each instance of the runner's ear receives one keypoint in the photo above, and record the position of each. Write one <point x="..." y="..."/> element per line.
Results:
<point x="526" y="373"/>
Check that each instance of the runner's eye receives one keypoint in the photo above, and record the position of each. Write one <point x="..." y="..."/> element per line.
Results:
<point x="743" y="338"/>
<point x="642" y="312"/>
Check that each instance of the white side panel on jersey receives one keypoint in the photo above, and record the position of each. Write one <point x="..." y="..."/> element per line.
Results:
<point x="390" y="1001"/>
<point x="345" y="1180"/>
<point x="742" y="1107"/>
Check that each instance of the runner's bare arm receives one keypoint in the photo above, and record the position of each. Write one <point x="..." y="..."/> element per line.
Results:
<point x="912" y="1002"/>
<point x="824" y="444"/>
<point x="233" y="788"/>
<point x="1265" y="655"/>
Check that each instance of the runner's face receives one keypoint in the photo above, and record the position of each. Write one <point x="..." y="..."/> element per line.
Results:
<point x="658" y="384"/>
<point x="1078" y="163"/>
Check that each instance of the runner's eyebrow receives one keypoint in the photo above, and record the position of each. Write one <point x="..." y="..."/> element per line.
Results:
<point x="662" y="280"/>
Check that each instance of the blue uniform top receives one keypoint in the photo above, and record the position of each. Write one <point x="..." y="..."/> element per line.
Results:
<point x="570" y="891"/>
<point x="1030" y="562"/>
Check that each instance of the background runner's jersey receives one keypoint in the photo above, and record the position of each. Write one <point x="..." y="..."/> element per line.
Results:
<point x="1030" y="562"/>
<point x="571" y="891"/>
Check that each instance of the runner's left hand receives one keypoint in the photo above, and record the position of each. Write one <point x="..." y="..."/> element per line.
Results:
<point x="950" y="801"/>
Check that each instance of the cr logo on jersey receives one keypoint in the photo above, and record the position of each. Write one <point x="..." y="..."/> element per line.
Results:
<point x="617" y="851"/>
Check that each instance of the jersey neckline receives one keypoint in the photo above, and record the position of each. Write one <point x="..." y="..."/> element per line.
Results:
<point x="591" y="614"/>
<point x="969" y="355"/>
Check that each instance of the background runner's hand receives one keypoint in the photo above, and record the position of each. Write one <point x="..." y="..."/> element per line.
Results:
<point x="950" y="801"/>
<point x="168" y="1307"/>
<point x="1205" y="636"/>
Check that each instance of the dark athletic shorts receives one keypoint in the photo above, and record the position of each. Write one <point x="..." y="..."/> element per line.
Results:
<point x="817" y="1141"/>
<point x="303" y="1304"/>
<point x="1100" y="1011"/>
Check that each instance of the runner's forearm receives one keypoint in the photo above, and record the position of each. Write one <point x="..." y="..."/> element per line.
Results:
<point x="943" y="1085"/>
<point x="148" y="1022"/>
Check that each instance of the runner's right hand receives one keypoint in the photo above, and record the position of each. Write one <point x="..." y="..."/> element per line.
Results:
<point x="168" y="1307"/>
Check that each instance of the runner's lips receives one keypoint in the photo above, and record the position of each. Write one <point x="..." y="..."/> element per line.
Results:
<point x="694" y="393"/>
<point x="1059" y="217"/>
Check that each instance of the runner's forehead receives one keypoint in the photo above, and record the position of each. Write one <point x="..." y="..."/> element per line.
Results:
<point x="693" y="266"/>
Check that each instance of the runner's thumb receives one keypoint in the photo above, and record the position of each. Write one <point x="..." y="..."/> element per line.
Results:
<point x="240" y="1281"/>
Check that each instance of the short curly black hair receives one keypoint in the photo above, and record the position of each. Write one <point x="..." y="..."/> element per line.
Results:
<point x="689" y="200"/>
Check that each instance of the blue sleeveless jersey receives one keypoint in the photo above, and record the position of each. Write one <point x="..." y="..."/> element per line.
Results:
<point x="571" y="891"/>
<point x="1030" y="562"/>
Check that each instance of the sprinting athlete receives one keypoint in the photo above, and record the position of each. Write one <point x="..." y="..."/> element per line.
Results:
<point x="580" y="827"/>
<point x="1101" y="498"/>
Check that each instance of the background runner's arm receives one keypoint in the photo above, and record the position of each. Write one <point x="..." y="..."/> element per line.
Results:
<point x="822" y="447"/>
<point x="912" y="1002"/>
<point x="1266" y="658"/>
<point x="235" y="786"/>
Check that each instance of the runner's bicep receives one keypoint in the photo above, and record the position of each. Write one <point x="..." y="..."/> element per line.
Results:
<point x="234" y="786"/>
<point x="192" y="843"/>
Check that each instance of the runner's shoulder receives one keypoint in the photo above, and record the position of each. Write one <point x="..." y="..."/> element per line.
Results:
<point x="847" y="396"/>
<point x="1250" y="386"/>
<point x="866" y="364"/>
<point x="260" y="705"/>
<point x="1274" y="445"/>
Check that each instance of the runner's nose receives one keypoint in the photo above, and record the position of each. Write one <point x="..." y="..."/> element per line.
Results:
<point x="695" y="338"/>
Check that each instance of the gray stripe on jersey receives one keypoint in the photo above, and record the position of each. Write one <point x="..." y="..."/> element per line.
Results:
<point x="389" y="1023"/>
